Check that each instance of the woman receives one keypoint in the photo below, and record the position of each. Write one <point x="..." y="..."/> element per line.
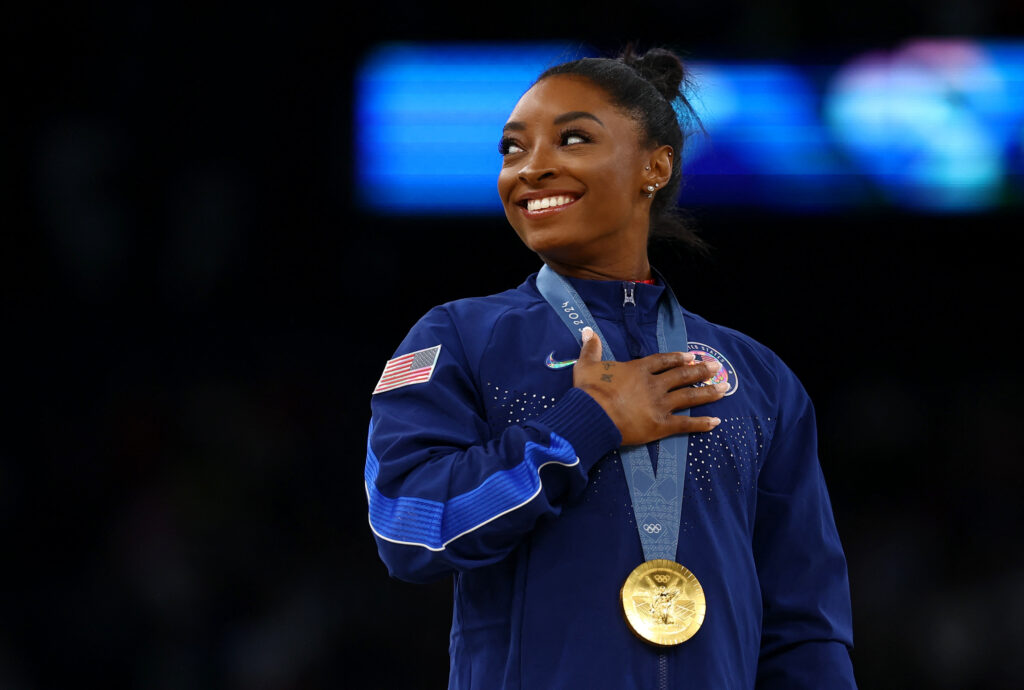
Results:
<point x="652" y="519"/>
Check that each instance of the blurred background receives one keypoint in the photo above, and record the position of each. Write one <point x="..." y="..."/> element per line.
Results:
<point x="219" y="223"/>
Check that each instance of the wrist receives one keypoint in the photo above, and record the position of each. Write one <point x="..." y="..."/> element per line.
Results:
<point x="584" y="423"/>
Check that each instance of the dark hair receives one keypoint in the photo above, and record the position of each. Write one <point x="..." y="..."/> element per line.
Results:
<point x="648" y="87"/>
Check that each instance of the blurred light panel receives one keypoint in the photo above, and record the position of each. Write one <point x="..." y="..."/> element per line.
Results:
<point x="935" y="123"/>
<point x="429" y="118"/>
<point x="765" y="142"/>
<point x="936" y="126"/>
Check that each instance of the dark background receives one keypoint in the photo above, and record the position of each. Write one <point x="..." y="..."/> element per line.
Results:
<point x="195" y="314"/>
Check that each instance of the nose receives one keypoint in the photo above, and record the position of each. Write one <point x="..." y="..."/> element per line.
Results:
<point x="539" y="164"/>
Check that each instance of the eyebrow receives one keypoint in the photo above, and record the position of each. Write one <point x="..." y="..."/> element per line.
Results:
<point x="576" y="115"/>
<point x="561" y="119"/>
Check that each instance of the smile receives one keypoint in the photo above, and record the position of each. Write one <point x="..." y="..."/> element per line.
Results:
<point x="548" y="203"/>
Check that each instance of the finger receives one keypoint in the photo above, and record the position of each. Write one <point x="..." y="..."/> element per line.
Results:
<point x="591" y="350"/>
<point x="686" y="398"/>
<point x="712" y="367"/>
<point x="683" y="376"/>
<point x="663" y="361"/>
<point x="683" y="424"/>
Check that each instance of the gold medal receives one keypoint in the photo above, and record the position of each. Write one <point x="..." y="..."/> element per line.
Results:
<point x="663" y="602"/>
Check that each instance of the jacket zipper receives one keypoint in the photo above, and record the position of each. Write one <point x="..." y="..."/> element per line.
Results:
<point x="634" y="337"/>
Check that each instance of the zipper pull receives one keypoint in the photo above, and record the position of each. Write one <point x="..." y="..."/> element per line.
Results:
<point x="627" y="290"/>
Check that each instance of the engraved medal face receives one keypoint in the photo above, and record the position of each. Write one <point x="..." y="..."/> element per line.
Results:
<point x="663" y="602"/>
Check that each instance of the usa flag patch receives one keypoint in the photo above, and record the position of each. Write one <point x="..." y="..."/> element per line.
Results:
<point x="415" y="367"/>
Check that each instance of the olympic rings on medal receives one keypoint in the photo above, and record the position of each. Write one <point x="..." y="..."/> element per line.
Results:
<point x="652" y="528"/>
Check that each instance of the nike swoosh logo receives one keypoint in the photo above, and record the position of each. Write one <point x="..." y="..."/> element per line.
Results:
<point x="553" y="363"/>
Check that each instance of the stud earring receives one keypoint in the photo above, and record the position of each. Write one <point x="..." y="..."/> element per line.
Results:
<point x="650" y="188"/>
<point x="647" y="167"/>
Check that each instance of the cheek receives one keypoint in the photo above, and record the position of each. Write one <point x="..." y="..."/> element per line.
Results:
<point x="617" y="190"/>
<point x="505" y="181"/>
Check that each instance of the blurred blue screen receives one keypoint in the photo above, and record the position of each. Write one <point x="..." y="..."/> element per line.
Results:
<point x="931" y="125"/>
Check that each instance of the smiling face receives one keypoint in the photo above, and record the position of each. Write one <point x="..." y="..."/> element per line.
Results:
<point x="572" y="179"/>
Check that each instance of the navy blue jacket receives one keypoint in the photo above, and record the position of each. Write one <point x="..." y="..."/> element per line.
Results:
<point x="498" y="472"/>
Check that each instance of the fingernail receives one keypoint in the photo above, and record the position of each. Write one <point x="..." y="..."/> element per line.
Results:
<point x="715" y="421"/>
<point x="688" y="357"/>
<point x="588" y="333"/>
<point x="722" y="387"/>
<point x="715" y="365"/>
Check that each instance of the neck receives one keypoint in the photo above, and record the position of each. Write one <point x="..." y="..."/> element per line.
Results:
<point x="636" y="270"/>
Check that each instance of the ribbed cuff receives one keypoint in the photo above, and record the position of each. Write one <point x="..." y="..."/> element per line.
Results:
<point x="578" y="419"/>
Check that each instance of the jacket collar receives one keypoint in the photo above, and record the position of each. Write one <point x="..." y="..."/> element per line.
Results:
<point x="605" y="298"/>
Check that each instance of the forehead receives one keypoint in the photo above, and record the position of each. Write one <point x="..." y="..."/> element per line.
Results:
<point x="555" y="95"/>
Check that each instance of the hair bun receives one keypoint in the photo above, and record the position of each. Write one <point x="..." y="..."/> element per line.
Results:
<point x="662" y="68"/>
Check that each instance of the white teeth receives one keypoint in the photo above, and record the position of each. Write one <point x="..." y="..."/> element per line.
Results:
<point x="547" y="202"/>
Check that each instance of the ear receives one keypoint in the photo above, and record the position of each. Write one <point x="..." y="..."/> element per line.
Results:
<point x="660" y="162"/>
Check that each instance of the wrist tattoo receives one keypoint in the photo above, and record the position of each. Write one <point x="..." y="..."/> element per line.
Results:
<point x="606" y="377"/>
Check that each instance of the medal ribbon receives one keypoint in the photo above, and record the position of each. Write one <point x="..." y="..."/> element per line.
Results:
<point x="657" y="498"/>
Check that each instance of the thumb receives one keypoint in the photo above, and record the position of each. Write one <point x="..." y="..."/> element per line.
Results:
<point x="591" y="350"/>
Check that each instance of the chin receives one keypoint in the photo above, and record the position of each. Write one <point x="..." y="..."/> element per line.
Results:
<point x="563" y="250"/>
<point x="546" y="240"/>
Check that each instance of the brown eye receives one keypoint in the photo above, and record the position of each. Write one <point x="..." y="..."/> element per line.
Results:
<point x="507" y="146"/>
<point x="572" y="136"/>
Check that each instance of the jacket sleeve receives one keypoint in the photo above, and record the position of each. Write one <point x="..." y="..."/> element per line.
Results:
<point x="806" y="632"/>
<point x="444" y="493"/>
